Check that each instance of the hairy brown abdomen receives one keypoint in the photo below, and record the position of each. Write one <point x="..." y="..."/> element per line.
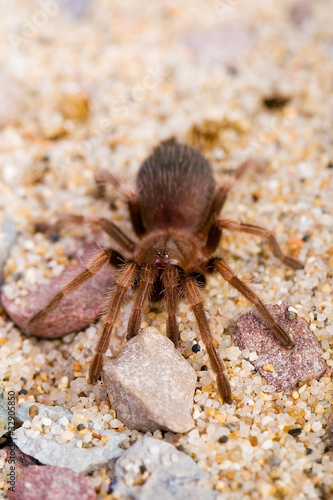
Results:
<point x="176" y="187"/>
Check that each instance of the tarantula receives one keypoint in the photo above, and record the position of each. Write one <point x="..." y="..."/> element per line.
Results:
<point x="174" y="214"/>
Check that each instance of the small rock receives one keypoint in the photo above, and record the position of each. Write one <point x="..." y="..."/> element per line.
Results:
<point x="74" y="313"/>
<point x="225" y="45"/>
<point x="23" y="412"/>
<point x="22" y="461"/>
<point x="151" y="385"/>
<point x="50" y="452"/>
<point x="8" y="235"/>
<point x="301" y="12"/>
<point x="3" y="414"/>
<point x="52" y="483"/>
<point x="154" y="469"/>
<point x="301" y="363"/>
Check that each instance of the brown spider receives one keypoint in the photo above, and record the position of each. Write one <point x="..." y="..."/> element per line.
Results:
<point x="174" y="215"/>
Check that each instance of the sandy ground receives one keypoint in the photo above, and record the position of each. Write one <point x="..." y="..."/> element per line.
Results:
<point x="90" y="85"/>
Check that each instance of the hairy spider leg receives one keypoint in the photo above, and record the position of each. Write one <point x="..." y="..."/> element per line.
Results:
<point x="105" y="177"/>
<point x="192" y="292"/>
<point x="263" y="233"/>
<point x="107" y="255"/>
<point x="170" y="279"/>
<point x="219" y="265"/>
<point x="147" y="278"/>
<point x="105" y="225"/>
<point x="124" y="281"/>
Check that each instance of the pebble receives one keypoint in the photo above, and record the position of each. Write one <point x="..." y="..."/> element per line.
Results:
<point x="74" y="313"/>
<point x="52" y="483"/>
<point x="65" y="453"/>
<point x="155" y="469"/>
<point x="3" y="414"/>
<point x="301" y="363"/>
<point x="225" y="45"/>
<point x="8" y="235"/>
<point x="150" y="385"/>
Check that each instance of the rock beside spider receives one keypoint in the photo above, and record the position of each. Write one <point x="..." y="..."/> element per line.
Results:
<point x="52" y="483"/>
<point x="282" y="368"/>
<point x="150" y="385"/>
<point x="152" y="468"/>
<point x="75" y="312"/>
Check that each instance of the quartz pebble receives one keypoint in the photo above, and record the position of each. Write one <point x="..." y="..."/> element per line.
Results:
<point x="63" y="450"/>
<point x="52" y="483"/>
<point x="75" y="312"/>
<point x="151" y="385"/>
<point x="155" y="469"/>
<point x="301" y="363"/>
<point x="7" y="238"/>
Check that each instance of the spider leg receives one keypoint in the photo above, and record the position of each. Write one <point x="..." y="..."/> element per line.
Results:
<point x="105" y="177"/>
<point x="192" y="292"/>
<point x="105" y="225"/>
<point x="92" y="268"/>
<point x="219" y="265"/>
<point x="147" y="278"/>
<point x="221" y="196"/>
<point x="124" y="282"/>
<point x="263" y="233"/>
<point x="170" y="280"/>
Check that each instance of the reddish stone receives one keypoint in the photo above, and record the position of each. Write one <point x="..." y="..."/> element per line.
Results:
<point x="75" y="312"/>
<point x="301" y="363"/>
<point x="22" y="461"/>
<point x="52" y="483"/>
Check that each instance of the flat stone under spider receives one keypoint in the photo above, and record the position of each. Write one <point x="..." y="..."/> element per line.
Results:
<point x="174" y="213"/>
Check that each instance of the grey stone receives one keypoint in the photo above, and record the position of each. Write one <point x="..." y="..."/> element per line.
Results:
<point x="49" y="452"/>
<point x="52" y="483"/>
<point x="150" y="385"/>
<point x="75" y="312"/>
<point x="301" y="363"/>
<point x="22" y="411"/>
<point x="8" y="235"/>
<point x="3" y="414"/>
<point x="154" y="469"/>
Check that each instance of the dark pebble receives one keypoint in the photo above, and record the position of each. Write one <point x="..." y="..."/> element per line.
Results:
<point x="196" y="348"/>
<point x="295" y="432"/>
<point x="22" y="391"/>
<point x="204" y="368"/>
<point x="223" y="439"/>
<point x="309" y="451"/>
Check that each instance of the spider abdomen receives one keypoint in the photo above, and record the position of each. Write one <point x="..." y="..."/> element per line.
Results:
<point x="175" y="187"/>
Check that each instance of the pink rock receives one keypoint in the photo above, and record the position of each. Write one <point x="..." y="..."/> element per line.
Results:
<point x="75" y="312"/>
<point x="301" y="363"/>
<point x="225" y="45"/>
<point x="52" y="483"/>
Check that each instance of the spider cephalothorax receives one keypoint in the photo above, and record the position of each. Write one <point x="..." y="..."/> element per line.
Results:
<point x="174" y="214"/>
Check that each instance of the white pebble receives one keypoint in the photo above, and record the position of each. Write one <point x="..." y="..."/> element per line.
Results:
<point x="316" y="426"/>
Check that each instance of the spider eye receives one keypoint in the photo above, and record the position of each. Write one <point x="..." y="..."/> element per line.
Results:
<point x="163" y="255"/>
